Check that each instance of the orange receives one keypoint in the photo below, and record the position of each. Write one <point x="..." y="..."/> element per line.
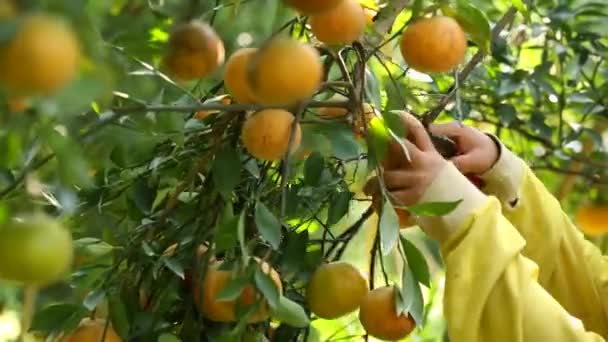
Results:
<point x="312" y="6"/>
<point x="225" y="311"/>
<point x="329" y="113"/>
<point x="433" y="45"/>
<point x="266" y="134"/>
<point x="343" y="24"/>
<point x="41" y="58"/>
<point x="336" y="289"/>
<point x="284" y="72"/>
<point x="93" y="330"/>
<point x="35" y="249"/>
<point x="378" y="315"/>
<point x="235" y="75"/>
<point x="593" y="220"/>
<point x="194" y="51"/>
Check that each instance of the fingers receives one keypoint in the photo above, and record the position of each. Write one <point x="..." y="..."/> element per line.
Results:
<point x="416" y="132"/>
<point x="452" y="129"/>
<point x="399" y="179"/>
<point x="465" y="163"/>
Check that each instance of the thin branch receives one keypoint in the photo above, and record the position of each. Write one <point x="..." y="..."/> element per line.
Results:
<point x="224" y="107"/>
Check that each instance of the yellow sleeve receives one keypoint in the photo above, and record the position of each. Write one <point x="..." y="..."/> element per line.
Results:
<point x="572" y="269"/>
<point x="492" y="293"/>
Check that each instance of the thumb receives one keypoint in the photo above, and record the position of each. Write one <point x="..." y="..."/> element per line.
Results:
<point x="465" y="163"/>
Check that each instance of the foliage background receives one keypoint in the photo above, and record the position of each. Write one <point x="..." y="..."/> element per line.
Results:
<point x="107" y="156"/>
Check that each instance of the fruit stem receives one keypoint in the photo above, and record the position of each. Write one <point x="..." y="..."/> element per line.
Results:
<point x="29" y="300"/>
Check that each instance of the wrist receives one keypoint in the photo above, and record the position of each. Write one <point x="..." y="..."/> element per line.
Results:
<point x="449" y="185"/>
<point x="504" y="178"/>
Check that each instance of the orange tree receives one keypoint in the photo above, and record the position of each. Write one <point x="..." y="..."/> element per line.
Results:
<point x="208" y="157"/>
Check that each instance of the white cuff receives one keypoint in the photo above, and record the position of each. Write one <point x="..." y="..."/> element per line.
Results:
<point x="450" y="186"/>
<point x="504" y="179"/>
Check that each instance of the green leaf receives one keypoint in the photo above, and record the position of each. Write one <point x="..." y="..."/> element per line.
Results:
<point x="434" y="208"/>
<point x="372" y="88"/>
<point x="522" y="8"/>
<point x="58" y="317"/>
<point x="118" y="315"/>
<point x="240" y="228"/>
<point x="290" y="313"/>
<point x="168" y="338"/>
<point x="389" y="228"/>
<point x="378" y="140"/>
<point x="475" y="22"/>
<point x="417" y="262"/>
<point x="395" y="123"/>
<point x="175" y="267"/>
<point x="226" y="171"/>
<point x="226" y="235"/>
<point x="233" y="289"/>
<point x="267" y="286"/>
<point x="338" y="207"/>
<point x="411" y="296"/>
<point x="93" y="299"/>
<point x="268" y="225"/>
<point x="313" y="168"/>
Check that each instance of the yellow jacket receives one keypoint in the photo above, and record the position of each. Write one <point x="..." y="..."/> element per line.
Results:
<point x="517" y="269"/>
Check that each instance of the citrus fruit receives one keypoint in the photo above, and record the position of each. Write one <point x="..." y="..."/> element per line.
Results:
<point x="329" y="113"/>
<point x="225" y="310"/>
<point x="266" y="134"/>
<point x="284" y="72"/>
<point x="194" y="51"/>
<point x="593" y="220"/>
<point x="35" y="250"/>
<point x="335" y="290"/>
<point x="342" y="24"/>
<point x="235" y="75"/>
<point x="312" y="6"/>
<point x="92" y="330"/>
<point x="433" y="45"/>
<point x="378" y="316"/>
<point x="41" y="58"/>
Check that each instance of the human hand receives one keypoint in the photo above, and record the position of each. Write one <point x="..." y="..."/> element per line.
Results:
<point x="407" y="180"/>
<point x="477" y="151"/>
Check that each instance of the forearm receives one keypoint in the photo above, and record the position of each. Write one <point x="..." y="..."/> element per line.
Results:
<point x="572" y="270"/>
<point x="492" y="292"/>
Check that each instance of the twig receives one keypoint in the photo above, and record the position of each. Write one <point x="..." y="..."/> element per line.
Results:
<point x="29" y="303"/>
<point x="224" y="107"/>
<point x="432" y="114"/>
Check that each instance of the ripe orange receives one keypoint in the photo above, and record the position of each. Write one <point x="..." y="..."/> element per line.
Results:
<point x="194" y="51"/>
<point x="93" y="330"/>
<point x="342" y="24"/>
<point x="434" y="45"/>
<point x="225" y="311"/>
<point x="235" y="75"/>
<point x="35" y="250"/>
<point x="378" y="315"/>
<point x="284" y="72"/>
<point x="593" y="220"/>
<point x="330" y="113"/>
<point x="312" y="6"/>
<point x="42" y="57"/>
<point x="266" y="134"/>
<point x="335" y="290"/>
